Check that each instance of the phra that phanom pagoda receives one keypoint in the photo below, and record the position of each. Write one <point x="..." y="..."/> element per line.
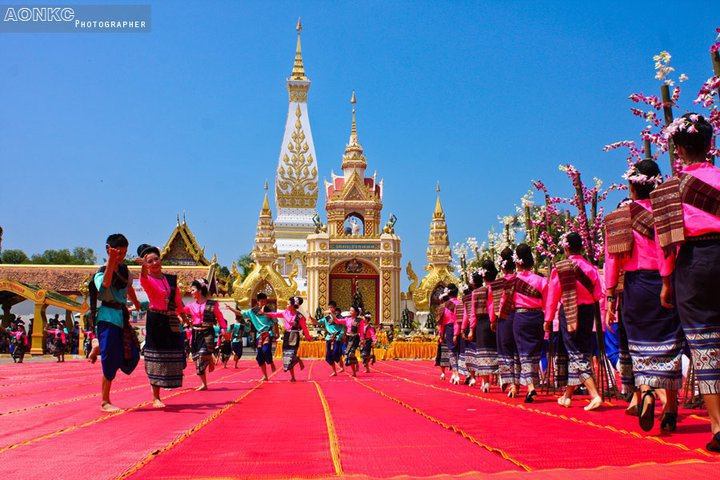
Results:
<point x="353" y="253"/>
<point x="426" y="293"/>
<point x="264" y="276"/>
<point x="296" y="180"/>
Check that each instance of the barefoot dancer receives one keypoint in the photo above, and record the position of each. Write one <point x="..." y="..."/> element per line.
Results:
<point x="236" y="332"/>
<point x="164" y="351"/>
<point x="368" y="339"/>
<point x="118" y="344"/>
<point x="265" y="328"/>
<point x="335" y="328"/>
<point x="484" y="362"/>
<point x="293" y="323"/>
<point x="450" y="326"/>
<point x="576" y="283"/>
<point x="204" y="315"/>
<point x="354" y="324"/>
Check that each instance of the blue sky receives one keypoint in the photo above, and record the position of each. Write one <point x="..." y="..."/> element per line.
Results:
<point x="120" y="132"/>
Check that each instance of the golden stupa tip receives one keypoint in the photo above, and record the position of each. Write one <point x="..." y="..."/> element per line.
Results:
<point x="298" y="71"/>
<point x="353" y="99"/>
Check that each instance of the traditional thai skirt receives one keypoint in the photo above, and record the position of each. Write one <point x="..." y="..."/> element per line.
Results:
<point x="57" y="347"/>
<point x="353" y="342"/>
<point x="333" y="351"/>
<point x="627" y="378"/>
<point x="482" y="354"/>
<point x="442" y="357"/>
<point x="290" y="346"/>
<point x="237" y="348"/>
<point x="529" y="335"/>
<point x="450" y="345"/>
<point x="202" y="347"/>
<point x="697" y="292"/>
<point x="655" y="338"/>
<point x="579" y="344"/>
<point x="366" y="351"/>
<point x="17" y="350"/>
<point x="225" y="350"/>
<point x="462" y="355"/>
<point x="559" y="357"/>
<point x="164" y="350"/>
<point x="508" y="359"/>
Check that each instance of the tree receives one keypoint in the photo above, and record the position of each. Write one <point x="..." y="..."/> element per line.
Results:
<point x="243" y="263"/>
<point x="79" y="256"/>
<point x="14" y="257"/>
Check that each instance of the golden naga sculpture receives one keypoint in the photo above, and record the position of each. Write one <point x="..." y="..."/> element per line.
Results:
<point x="412" y="277"/>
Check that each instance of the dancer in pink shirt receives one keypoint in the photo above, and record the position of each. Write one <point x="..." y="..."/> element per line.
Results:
<point x="655" y="338"/>
<point x="450" y="325"/>
<point x="293" y="323"/>
<point x="526" y="296"/>
<point x="164" y="350"/>
<point x="686" y="210"/>
<point x="576" y="283"/>
<point x="501" y="317"/>
<point x="481" y="342"/>
<point x="368" y="339"/>
<point x="354" y="325"/>
<point x="204" y="314"/>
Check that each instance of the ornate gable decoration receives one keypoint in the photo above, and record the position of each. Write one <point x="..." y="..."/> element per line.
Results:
<point x="182" y="248"/>
<point x="296" y="185"/>
<point x="355" y="190"/>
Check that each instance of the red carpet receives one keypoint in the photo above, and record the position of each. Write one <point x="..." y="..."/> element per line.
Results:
<point x="399" y="421"/>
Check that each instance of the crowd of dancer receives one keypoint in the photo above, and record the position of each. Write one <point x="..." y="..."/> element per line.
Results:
<point x="661" y="285"/>
<point x="659" y="292"/>
<point x="173" y="328"/>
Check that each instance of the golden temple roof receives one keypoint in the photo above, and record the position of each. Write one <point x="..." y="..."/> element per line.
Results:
<point x="183" y="242"/>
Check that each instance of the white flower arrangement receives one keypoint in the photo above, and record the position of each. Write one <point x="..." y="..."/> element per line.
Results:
<point x="633" y="176"/>
<point x="481" y="271"/>
<point x="564" y="241"/>
<point x="517" y="260"/>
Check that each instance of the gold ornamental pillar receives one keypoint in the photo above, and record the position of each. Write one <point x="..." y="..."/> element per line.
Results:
<point x="38" y="330"/>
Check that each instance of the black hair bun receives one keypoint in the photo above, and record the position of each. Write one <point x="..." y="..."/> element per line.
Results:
<point x="144" y="249"/>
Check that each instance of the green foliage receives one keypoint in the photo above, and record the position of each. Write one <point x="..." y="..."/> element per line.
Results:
<point x="14" y="256"/>
<point x="243" y="263"/>
<point x="78" y="256"/>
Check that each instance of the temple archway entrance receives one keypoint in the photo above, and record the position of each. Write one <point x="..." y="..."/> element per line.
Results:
<point x="265" y="287"/>
<point x="352" y="277"/>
